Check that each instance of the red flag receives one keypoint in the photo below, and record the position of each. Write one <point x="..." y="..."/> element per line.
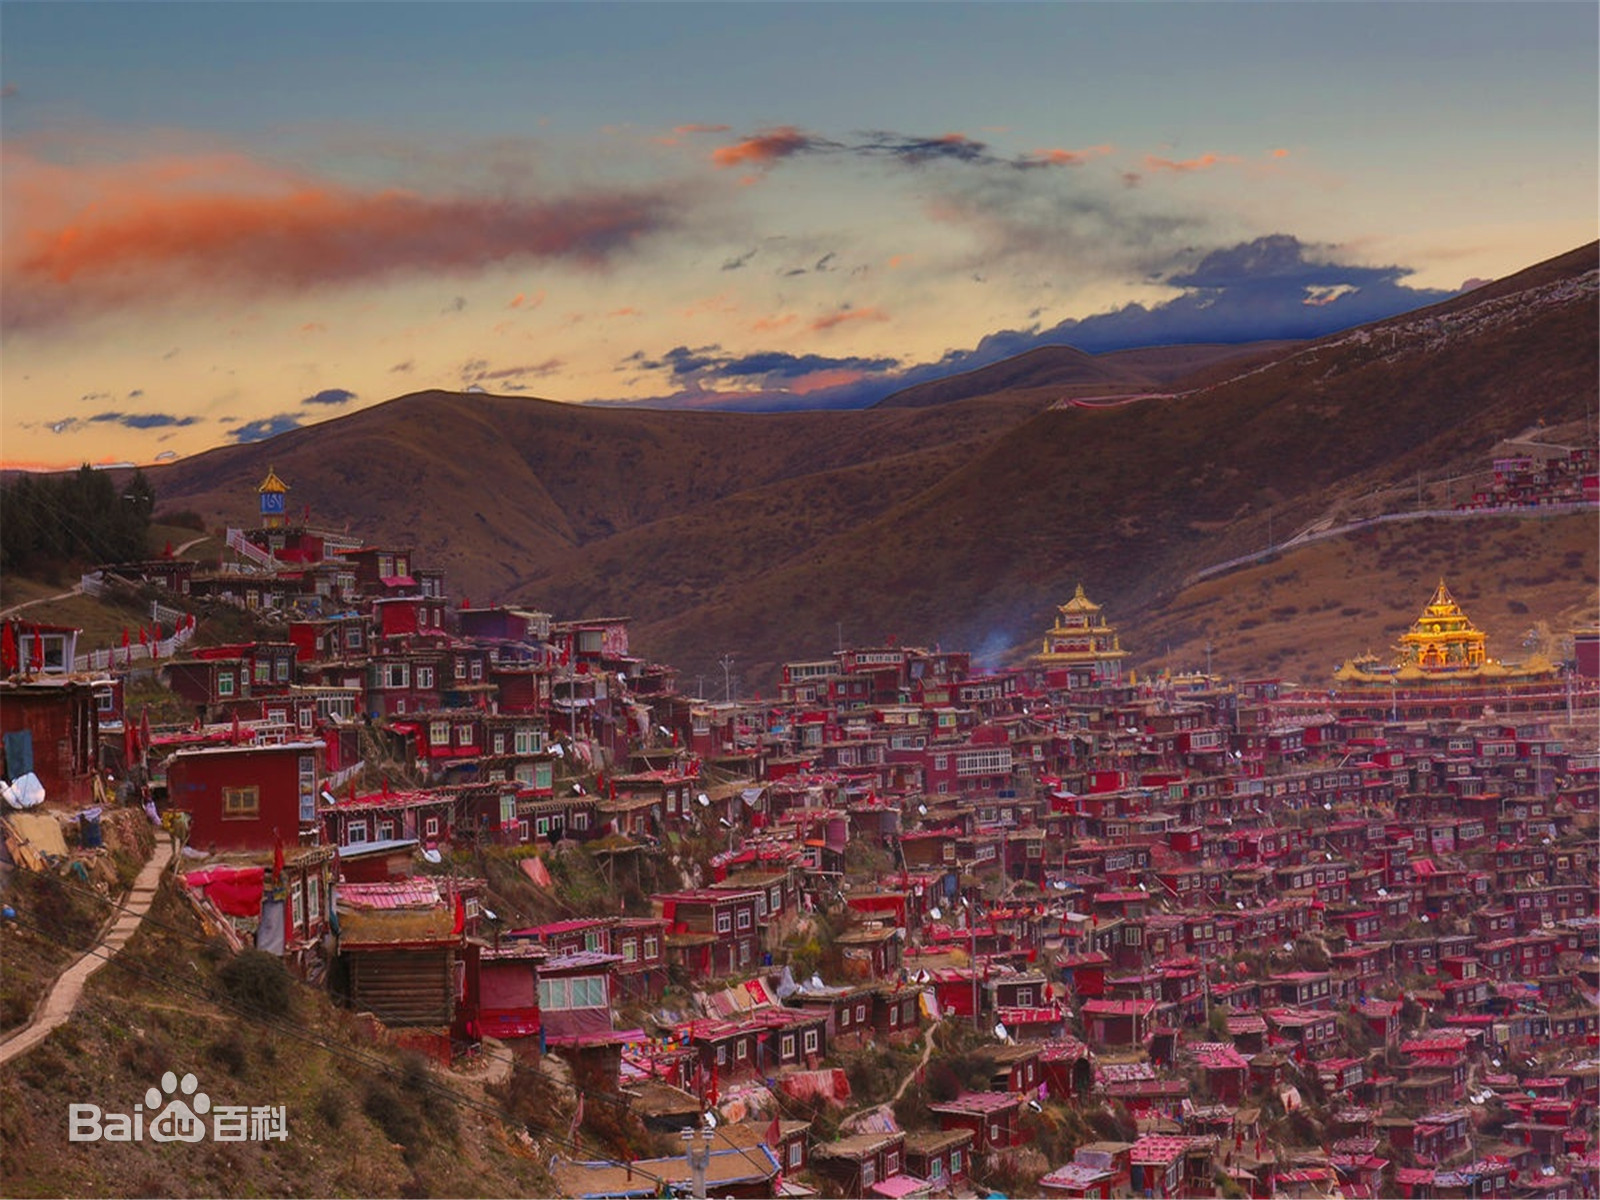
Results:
<point x="8" y="648"/>
<point x="460" y="924"/>
<point x="38" y="648"/>
<point x="236" y="734"/>
<point x="167" y="553"/>
<point x="124" y="637"/>
<point x="277" y="860"/>
<point x="144" y="636"/>
<point x="130" y="743"/>
<point x="774" y="1133"/>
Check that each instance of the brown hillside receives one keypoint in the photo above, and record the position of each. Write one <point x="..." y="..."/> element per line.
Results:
<point x="962" y="522"/>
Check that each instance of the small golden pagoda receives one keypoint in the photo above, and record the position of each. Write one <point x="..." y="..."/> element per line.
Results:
<point x="1441" y="646"/>
<point x="1083" y="643"/>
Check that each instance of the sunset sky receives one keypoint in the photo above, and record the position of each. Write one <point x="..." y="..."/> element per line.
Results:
<point x="221" y="221"/>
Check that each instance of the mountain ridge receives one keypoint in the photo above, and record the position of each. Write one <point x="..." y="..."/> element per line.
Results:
<point x="964" y="519"/>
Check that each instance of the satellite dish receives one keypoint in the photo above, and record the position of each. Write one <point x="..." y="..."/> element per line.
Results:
<point x="1239" y="904"/>
<point x="711" y="1119"/>
<point x="726" y="824"/>
<point x="433" y="856"/>
<point x="555" y="748"/>
<point x="1288" y="947"/>
<point x="1035" y="1105"/>
<point x="332" y="799"/>
<point x="1383" y="891"/>
<point x="489" y="914"/>
<point x="577" y="789"/>
<point x="1000" y="1030"/>
<point x="1424" y="918"/>
<point x="1328" y="804"/>
<point x="705" y="800"/>
<point x="935" y="912"/>
<point x="663" y="731"/>
<point x="922" y="810"/>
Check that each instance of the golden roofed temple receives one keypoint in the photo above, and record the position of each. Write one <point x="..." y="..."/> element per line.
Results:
<point x="1082" y="643"/>
<point x="1442" y="646"/>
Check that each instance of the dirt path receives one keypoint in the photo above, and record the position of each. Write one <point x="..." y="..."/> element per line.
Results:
<point x="64" y="995"/>
<point x="927" y="1053"/>
<point x="74" y="590"/>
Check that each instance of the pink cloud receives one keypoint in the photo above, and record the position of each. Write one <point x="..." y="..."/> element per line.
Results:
<point x="83" y="238"/>
<point x="834" y="320"/>
<point x="1055" y="157"/>
<point x="1204" y="163"/>
<point x="768" y="324"/>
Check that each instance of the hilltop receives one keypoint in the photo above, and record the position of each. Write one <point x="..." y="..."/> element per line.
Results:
<point x="963" y="511"/>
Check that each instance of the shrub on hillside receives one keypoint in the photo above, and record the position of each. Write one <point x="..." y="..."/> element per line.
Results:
<point x="257" y="981"/>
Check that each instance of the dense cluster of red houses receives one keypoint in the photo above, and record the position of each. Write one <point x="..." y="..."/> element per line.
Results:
<point x="1178" y="899"/>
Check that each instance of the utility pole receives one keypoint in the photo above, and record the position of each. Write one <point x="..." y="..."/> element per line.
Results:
<point x="727" y="687"/>
<point x="699" y="1160"/>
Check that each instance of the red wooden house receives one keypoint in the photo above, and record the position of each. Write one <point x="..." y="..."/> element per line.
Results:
<point x="993" y="1118"/>
<point x="508" y="991"/>
<point x="247" y="797"/>
<point x="711" y="933"/>
<point x="52" y="730"/>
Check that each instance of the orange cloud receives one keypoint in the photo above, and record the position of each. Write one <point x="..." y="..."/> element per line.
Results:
<point x="520" y="300"/>
<point x="695" y="127"/>
<point x="628" y="311"/>
<point x="1066" y="158"/>
<point x="1280" y="153"/>
<point x="764" y="149"/>
<point x="96" y="237"/>
<point x="1204" y="163"/>
<point x="833" y="320"/>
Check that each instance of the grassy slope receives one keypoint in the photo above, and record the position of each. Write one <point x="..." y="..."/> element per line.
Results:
<point x="135" y="1024"/>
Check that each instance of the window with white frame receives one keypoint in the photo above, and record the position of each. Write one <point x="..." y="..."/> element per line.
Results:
<point x="385" y="831"/>
<point x="438" y="733"/>
<point x="724" y="923"/>
<point x="744" y="918"/>
<point x="499" y="742"/>
<point x="463" y="735"/>
<point x="425" y="677"/>
<point x="355" y="833"/>
<point x="630" y="950"/>
<point x="810" y="1041"/>
<point x="431" y="827"/>
<point x="396" y="675"/>
<point x="796" y="1149"/>
<point x="652" y="947"/>
<point x="224" y="683"/>
<point x="314" y="898"/>
<point x="741" y="1049"/>
<point x="280" y="670"/>
<point x="955" y="1162"/>
<point x="297" y="918"/>
<point x="786" y="1045"/>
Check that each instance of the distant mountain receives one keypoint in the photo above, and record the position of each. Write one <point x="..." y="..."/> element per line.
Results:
<point x="961" y="514"/>
<point x="1072" y="372"/>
